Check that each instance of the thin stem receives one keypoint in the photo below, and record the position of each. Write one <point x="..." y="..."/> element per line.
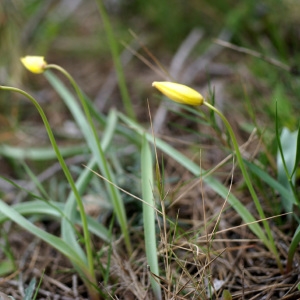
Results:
<point x="269" y="243"/>
<point x="87" y="240"/>
<point x="120" y="211"/>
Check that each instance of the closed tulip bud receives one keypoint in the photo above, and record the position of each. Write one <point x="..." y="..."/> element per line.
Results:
<point x="179" y="93"/>
<point x="35" y="64"/>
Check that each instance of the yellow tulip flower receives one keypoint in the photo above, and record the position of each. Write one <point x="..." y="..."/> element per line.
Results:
<point x="35" y="64"/>
<point x="179" y="93"/>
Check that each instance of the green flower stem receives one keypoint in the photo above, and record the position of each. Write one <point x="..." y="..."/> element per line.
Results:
<point x="87" y="240"/>
<point x="269" y="243"/>
<point x="119" y="209"/>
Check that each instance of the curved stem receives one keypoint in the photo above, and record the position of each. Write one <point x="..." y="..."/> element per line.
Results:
<point x="87" y="240"/>
<point x="270" y="242"/>
<point x="118" y="206"/>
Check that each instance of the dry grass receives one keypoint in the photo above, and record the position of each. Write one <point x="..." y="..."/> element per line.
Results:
<point x="191" y="258"/>
<point x="202" y="243"/>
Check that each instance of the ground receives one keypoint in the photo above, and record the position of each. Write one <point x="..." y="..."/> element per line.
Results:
<point x="204" y="246"/>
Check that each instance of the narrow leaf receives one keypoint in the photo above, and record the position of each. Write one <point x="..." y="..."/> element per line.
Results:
<point x="149" y="214"/>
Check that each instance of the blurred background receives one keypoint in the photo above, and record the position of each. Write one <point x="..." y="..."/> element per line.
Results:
<point x="243" y="56"/>
<point x="180" y="34"/>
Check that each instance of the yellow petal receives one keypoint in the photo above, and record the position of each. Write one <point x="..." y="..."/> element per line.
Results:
<point x="34" y="64"/>
<point x="179" y="92"/>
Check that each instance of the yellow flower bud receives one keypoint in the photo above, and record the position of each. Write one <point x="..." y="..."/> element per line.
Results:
<point x="35" y="64"/>
<point x="179" y="93"/>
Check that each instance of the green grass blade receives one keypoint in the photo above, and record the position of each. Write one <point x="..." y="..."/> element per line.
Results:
<point x="264" y="176"/>
<point x="39" y="154"/>
<point x="35" y="180"/>
<point x="73" y="106"/>
<point x="21" y="188"/>
<point x="70" y="210"/>
<point x="293" y="248"/>
<point x="36" y="207"/>
<point x="87" y="242"/>
<point x="197" y="171"/>
<point x="68" y="233"/>
<point x="149" y="215"/>
<point x="30" y="289"/>
<point x="286" y="161"/>
<point x="97" y="151"/>
<point x="297" y="159"/>
<point x="38" y="287"/>
<point x="56" y="210"/>
<point x="50" y="239"/>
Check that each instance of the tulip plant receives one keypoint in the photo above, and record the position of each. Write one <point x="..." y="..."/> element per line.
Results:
<point x="84" y="265"/>
<point x="83" y="260"/>
<point x="186" y="95"/>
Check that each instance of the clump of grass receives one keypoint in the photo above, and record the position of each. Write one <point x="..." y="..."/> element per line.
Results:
<point x="178" y="265"/>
